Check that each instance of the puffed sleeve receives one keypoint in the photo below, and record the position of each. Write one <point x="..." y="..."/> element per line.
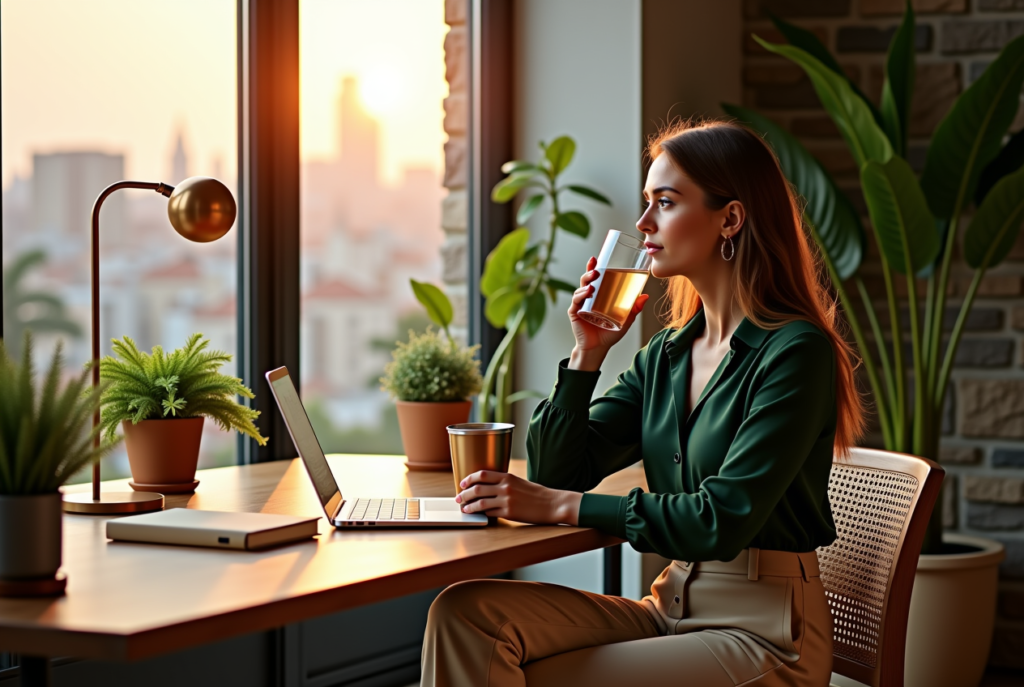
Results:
<point x="574" y="443"/>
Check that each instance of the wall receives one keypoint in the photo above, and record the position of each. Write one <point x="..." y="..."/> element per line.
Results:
<point x="577" y="72"/>
<point x="983" y="442"/>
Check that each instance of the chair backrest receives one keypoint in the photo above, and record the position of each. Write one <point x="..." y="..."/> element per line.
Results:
<point x="881" y="502"/>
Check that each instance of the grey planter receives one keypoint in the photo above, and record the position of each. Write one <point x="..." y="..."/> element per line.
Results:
<point x="30" y="536"/>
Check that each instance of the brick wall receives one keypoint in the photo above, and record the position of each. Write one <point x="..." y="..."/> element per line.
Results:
<point x="983" y="426"/>
<point x="454" y="207"/>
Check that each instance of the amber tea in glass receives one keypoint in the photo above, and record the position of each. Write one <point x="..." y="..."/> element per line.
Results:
<point x="623" y="266"/>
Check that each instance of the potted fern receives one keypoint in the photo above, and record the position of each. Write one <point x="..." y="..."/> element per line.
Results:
<point x="161" y="401"/>
<point x="917" y="224"/>
<point x="432" y="380"/>
<point x="44" y="440"/>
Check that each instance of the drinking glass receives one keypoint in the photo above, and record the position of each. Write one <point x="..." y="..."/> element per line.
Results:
<point x="622" y="266"/>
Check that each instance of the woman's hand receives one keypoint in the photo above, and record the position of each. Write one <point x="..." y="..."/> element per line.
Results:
<point x="501" y="495"/>
<point x="593" y="342"/>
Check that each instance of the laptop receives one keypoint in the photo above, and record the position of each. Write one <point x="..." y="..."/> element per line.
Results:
<point x="358" y="512"/>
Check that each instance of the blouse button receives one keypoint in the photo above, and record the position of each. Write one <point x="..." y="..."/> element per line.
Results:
<point x="677" y="458"/>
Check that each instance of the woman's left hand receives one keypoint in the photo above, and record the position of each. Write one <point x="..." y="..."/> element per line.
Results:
<point x="502" y="495"/>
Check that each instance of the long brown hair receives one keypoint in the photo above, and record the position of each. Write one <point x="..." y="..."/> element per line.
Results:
<point x="779" y="275"/>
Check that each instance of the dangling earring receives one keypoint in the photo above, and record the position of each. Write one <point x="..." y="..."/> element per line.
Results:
<point x="732" y="249"/>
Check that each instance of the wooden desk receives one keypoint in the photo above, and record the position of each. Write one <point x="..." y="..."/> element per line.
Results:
<point x="129" y="601"/>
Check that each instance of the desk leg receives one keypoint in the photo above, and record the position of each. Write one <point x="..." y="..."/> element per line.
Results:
<point x="613" y="570"/>
<point x="35" y="671"/>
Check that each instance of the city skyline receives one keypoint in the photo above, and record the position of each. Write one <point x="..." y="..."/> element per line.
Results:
<point x="102" y="102"/>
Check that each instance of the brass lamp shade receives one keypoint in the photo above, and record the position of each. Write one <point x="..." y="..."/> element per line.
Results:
<point x="201" y="209"/>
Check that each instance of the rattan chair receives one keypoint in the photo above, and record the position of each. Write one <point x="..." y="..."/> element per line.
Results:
<point x="881" y="502"/>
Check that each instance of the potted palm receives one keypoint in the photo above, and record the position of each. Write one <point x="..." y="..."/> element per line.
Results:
<point x="916" y="225"/>
<point x="44" y="440"/>
<point x="161" y="400"/>
<point x="432" y="380"/>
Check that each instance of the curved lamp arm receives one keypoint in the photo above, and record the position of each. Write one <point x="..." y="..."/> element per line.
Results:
<point x="164" y="190"/>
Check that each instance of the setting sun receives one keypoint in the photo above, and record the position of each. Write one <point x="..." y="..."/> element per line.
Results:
<point x="382" y="90"/>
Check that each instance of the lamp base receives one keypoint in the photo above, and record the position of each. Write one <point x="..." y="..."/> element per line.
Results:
<point x="113" y="503"/>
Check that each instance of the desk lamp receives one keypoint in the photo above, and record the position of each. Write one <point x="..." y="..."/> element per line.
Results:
<point x="200" y="209"/>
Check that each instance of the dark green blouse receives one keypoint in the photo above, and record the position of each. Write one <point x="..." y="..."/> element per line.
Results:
<point x="748" y="467"/>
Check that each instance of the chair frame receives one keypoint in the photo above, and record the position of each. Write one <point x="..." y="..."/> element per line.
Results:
<point x="892" y="639"/>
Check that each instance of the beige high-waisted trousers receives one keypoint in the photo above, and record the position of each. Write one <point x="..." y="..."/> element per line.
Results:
<point x="759" y="620"/>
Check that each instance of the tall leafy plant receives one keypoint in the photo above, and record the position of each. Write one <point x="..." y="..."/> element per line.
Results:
<point x="915" y="222"/>
<point x="517" y="278"/>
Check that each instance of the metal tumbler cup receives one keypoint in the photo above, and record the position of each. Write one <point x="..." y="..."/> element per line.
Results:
<point x="479" y="446"/>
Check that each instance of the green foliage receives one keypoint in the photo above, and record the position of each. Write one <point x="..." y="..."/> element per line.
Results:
<point x="439" y="308"/>
<point x="899" y="83"/>
<point x="971" y="135"/>
<point x="184" y="383"/>
<point x="915" y="223"/>
<point x="904" y="226"/>
<point x="383" y="438"/>
<point x="849" y="111"/>
<point x="44" y="438"/>
<point x="516" y="277"/>
<point x="27" y="310"/>
<point x="828" y="212"/>
<point x="430" y="369"/>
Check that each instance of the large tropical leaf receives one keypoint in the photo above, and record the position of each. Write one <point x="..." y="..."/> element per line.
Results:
<point x="1008" y="161"/>
<point x="806" y="40"/>
<point x="501" y="263"/>
<point x="898" y="89"/>
<point x="904" y="227"/>
<point x="848" y="110"/>
<point x="968" y="138"/>
<point x="828" y="209"/>
<point x="995" y="226"/>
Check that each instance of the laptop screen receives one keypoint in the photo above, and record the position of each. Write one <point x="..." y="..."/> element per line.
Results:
<point x="305" y="439"/>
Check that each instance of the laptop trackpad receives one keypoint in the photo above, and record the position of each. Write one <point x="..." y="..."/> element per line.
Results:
<point x="441" y="504"/>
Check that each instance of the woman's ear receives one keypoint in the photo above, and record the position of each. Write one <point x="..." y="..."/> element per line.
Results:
<point x="734" y="215"/>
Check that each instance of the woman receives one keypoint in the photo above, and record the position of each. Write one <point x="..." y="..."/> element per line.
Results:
<point x="735" y="409"/>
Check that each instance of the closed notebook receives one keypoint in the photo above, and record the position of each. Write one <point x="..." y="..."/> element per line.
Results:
<point x="217" y="529"/>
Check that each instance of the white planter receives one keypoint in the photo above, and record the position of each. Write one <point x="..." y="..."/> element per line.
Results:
<point x="952" y="612"/>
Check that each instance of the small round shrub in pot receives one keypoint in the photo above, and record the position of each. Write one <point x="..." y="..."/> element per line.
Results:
<point x="431" y="380"/>
<point x="161" y="401"/>
<point x="44" y="440"/>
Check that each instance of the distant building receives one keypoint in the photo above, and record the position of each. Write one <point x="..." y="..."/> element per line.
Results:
<point x="339" y="322"/>
<point x="65" y="186"/>
<point x="179" y="161"/>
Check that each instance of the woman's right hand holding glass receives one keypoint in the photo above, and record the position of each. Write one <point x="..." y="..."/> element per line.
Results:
<point x="593" y="342"/>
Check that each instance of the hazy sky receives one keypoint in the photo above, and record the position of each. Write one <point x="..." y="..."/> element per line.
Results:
<point x="125" y="75"/>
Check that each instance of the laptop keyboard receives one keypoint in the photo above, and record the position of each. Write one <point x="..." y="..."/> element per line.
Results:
<point x="386" y="509"/>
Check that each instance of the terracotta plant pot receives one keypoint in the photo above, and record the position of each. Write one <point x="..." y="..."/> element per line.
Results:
<point x="163" y="454"/>
<point x="424" y="433"/>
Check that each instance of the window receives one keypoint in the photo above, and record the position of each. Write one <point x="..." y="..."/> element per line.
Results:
<point x="372" y="86"/>
<point x="93" y="93"/>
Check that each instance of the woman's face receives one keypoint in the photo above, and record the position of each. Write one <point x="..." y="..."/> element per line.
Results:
<point x="681" y="232"/>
